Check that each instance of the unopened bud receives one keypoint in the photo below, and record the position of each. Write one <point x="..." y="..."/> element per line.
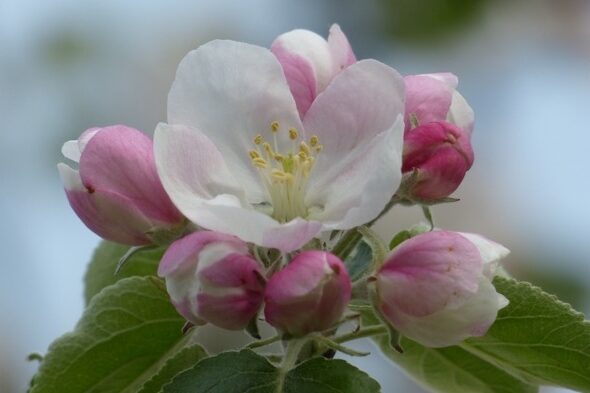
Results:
<point x="436" y="289"/>
<point x="211" y="277"/>
<point x="435" y="159"/>
<point x="117" y="192"/>
<point x="308" y="295"/>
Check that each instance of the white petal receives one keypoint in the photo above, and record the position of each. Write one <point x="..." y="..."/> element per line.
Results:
<point x="312" y="47"/>
<point x="70" y="178"/>
<point x="359" y="121"/>
<point x="450" y="79"/>
<point x="71" y="151"/>
<point x="355" y="189"/>
<point x="461" y="113"/>
<point x="192" y="169"/>
<point x="490" y="251"/>
<point x="256" y="227"/>
<point x="231" y="92"/>
<point x="451" y="326"/>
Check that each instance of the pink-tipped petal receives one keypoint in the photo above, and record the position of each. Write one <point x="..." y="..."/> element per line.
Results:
<point x="427" y="99"/>
<point x="300" y="76"/>
<point x="342" y="53"/>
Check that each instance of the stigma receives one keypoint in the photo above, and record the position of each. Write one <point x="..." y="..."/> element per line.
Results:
<point x="285" y="173"/>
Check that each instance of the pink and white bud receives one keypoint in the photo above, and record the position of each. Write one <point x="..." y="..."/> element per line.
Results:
<point x="436" y="288"/>
<point x="433" y="97"/>
<point x="211" y="277"/>
<point x="435" y="159"/>
<point x="308" y="295"/>
<point x="117" y="192"/>
<point x="310" y="62"/>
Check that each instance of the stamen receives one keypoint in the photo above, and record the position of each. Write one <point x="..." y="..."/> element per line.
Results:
<point x="274" y="126"/>
<point x="314" y="140"/>
<point x="259" y="162"/>
<point x="303" y="147"/>
<point x="293" y="134"/>
<point x="285" y="174"/>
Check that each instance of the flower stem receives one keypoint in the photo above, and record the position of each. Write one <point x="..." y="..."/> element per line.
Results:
<point x="352" y="237"/>
<point x="262" y="343"/>
<point x="291" y="353"/>
<point x="364" y="332"/>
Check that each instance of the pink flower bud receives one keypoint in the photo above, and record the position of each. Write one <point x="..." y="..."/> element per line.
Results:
<point x="117" y="192"/>
<point x="433" y="97"/>
<point x="211" y="277"/>
<point x="440" y="154"/>
<point x="308" y="295"/>
<point x="436" y="289"/>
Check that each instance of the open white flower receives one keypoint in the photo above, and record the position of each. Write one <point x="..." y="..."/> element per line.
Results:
<point x="236" y="157"/>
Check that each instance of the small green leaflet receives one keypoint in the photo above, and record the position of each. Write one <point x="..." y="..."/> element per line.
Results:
<point x="129" y="335"/>
<point x="101" y="270"/>
<point x="359" y="262"/>
<point x="245" y="371"/>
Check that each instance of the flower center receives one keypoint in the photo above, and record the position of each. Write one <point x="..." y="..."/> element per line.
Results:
<point x="285" y="174"/>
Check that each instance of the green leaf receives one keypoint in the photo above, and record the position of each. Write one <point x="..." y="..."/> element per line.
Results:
<point x="101" y="270"/>
<point x="183" y="360"/>
<point x="538" y="338"/>
<point x="448" y="370"/>
<point x="128" y="335"/>
<point x="359" y="262"/>
<point x="399" y="238"/>
<point x="245" y="371"/>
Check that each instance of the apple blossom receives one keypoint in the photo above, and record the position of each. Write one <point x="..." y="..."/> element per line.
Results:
<point x="211" y="277"/>
<point x="436" y="157"/>
<point x="436" y="289"/>
<point x="117" y="192"/>
<point x="310" y="62"/>
<point x="237" y="158"/>
<point x="433" y="97"/>
<point x="308" y="295"/>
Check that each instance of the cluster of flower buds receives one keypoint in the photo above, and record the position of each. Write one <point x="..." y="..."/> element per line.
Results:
<point x="287" y="151"/>
<point x="211" y="277"/>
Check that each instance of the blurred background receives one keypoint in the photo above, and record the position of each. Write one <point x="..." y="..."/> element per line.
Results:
<point x="65" y="66"/>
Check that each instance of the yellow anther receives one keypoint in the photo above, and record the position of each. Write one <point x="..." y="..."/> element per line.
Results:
<point x="303" y="147"/>
<point x="274" y="126"/>
<point x="279" y="157"/>
<point x="279" y="175"/>
<point x="302" y="155"/>
<point x="266" y="146"/>
<point x="258" y="139"/>
<point x="254" y="154"/>
<point x="293" y="134"/>
<point x="314" y="140"/>
<point x="259" y="162"/>
<point x="319" y="148"/>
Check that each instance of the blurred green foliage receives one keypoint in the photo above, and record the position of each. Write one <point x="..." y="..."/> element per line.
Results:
<point x="428" y="21"/>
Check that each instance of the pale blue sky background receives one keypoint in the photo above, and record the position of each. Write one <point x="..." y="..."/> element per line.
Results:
<point x="66" y="66"/>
